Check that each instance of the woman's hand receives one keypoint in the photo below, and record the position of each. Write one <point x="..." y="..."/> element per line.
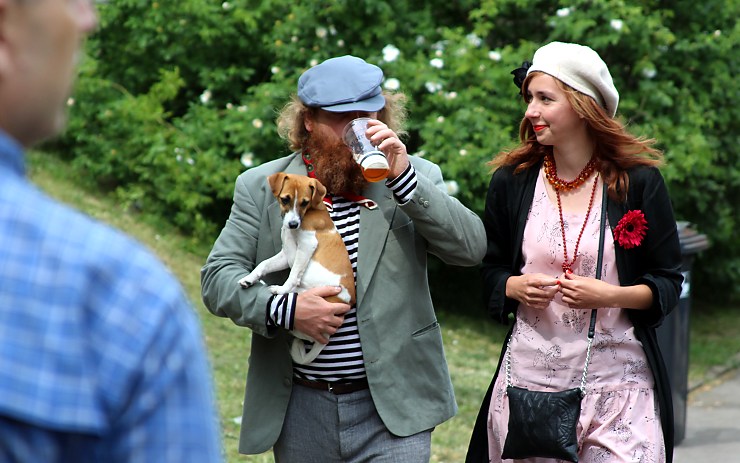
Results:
<point x="589" y="293"/>
<point x="533" y="289"/>
<point x="585" y="292"/>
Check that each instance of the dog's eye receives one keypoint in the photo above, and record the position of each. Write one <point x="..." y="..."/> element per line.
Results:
<point x="304" y="203"/>
<point x="285" y="200"/>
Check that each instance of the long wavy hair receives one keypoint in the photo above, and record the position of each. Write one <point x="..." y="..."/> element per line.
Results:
<point x="616" y="149"/>
<point x="291" y="127"/>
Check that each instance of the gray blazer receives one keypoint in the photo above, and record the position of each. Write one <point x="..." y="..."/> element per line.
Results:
<point x="401" y="338"/>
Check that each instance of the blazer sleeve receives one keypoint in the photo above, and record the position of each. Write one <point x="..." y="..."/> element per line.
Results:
<point x="453" y="232"/>
<point x="235" y="253"/>
<point x="657" y="261"/>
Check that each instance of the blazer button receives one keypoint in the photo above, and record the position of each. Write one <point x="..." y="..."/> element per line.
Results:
<point x="425" y="203"/>
<point x="287" y="381"/>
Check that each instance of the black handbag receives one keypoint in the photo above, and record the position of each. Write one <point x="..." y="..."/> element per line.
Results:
<point x="543" y="424"/>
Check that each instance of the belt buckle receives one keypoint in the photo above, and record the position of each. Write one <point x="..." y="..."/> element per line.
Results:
<point x="330" y="388"/>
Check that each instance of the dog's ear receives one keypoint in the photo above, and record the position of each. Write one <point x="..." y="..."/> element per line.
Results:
<point x="276" y="182"/>
<point x="319" y="191"/>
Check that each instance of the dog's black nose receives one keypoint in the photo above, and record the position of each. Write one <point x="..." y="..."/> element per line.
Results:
<point x="293" y="224"/>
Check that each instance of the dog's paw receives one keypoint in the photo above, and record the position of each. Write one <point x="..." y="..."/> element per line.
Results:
<point x="277" y="289"/>
<point x="248" y="281"/>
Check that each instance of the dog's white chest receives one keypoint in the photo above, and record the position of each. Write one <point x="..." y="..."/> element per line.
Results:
<point x="295" y="239"/>
<point x="316" y="273"/>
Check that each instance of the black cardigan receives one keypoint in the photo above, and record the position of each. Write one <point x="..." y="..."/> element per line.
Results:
<point x="656" y="263"/>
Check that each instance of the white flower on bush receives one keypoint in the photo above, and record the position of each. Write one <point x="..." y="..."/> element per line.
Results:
<point x="205" y="97"/>
<point x="257" y="123"/>
<point x="247" y="159"/>
<point x="494" y="55"/>
<point x="474" y="40"/>
<point x="242" y="109"/>
<point x="229" y="106"/>
<point x="437" y="63"/>
<point x="433" y="87"/>
<point x="275" y="69"/>
<point x="440" y="119"/>
<point x="463" y="152"/>
<point x="70" y="101"/>
<point x="321" y="32"/>
<point x="563" y="12"/>
<point x="717" y="33"/>
<point x="392" y="84"/>
<point x="452" y="187"/>
<point x="420" y="40"/>
<point x="190" y="161"/>
<point x="451" y="95"/>
<point x="340" y="43"/>
<point x="390" y="53"/>
<point x="225" y="5"/>
<point x="439" y="46"/>
<point x="649" y="73"/>
<point x="313" y="62"/>
<point x="616" y="24"/>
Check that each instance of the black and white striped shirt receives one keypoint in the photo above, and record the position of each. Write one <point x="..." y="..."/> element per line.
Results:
<point x="341" y="359"/>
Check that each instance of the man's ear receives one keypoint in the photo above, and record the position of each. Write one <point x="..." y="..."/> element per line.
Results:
<point x="308" y="122"/>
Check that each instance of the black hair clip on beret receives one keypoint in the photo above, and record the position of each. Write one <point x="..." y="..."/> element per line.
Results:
<point x="520" y="74"/>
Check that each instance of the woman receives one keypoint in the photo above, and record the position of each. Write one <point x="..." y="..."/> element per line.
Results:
<point x="542" y="218"/>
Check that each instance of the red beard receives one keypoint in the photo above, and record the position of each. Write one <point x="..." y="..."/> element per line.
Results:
<point x="335" y="167"/>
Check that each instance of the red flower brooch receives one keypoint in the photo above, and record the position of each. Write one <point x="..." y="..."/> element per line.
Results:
<point x="631" y="229"/>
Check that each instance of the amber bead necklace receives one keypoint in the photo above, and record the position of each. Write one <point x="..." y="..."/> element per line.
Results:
<point x="551" y="172"/>
<point x="559" y="184"/>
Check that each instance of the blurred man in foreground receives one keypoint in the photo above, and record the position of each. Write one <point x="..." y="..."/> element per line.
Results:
<point x="101" y="355"/>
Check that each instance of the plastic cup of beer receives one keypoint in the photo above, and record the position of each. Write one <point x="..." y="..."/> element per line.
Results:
<point x="372" y="161"/>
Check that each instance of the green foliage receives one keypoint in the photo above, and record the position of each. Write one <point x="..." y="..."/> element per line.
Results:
<point x="176" y="98"/>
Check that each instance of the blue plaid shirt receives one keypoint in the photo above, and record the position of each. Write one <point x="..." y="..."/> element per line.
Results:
<point x="101" y="354"/>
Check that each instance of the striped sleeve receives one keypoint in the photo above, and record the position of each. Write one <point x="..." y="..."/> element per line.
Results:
<point x="404" y="185"/>
<point x="281" y="311"/>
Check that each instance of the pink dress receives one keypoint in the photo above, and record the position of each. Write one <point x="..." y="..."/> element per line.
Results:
<point x="620" y="420"/>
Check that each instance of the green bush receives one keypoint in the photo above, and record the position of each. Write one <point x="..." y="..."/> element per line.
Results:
<point x="177" y="98"/>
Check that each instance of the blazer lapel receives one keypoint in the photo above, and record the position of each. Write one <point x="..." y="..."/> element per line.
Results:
<point x="374" y="227"/>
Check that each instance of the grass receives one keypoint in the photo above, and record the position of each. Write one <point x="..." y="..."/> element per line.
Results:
<point x="472" y="343"/>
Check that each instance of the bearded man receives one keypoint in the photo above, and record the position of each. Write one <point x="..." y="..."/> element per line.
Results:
<point x="381" y="384"/>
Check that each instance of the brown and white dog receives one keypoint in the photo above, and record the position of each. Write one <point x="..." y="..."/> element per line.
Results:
<point x="312" y="248"/>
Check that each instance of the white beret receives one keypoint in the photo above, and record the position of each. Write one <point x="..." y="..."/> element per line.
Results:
<point x="579" y="67"/>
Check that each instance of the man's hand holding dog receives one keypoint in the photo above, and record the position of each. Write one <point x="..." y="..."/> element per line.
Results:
<point x="317" y="317"/>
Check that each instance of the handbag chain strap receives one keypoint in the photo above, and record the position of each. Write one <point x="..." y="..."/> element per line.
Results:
<point x="592" y="326"/>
